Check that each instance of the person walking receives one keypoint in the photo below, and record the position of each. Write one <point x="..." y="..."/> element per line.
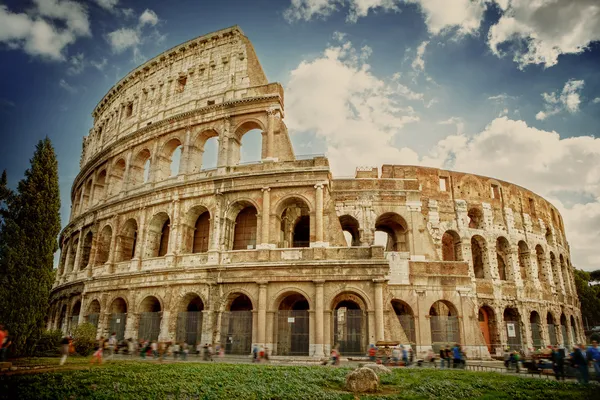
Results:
<point x="255" y="354"/>
<point x="184" y="351"/>
<point x="372" y="353"/>
<point x="580" y="363"/>
<point x="154" y="348"/>
<point x="457" y="356"/>
<point x="593" y="355"/>
<point x="64" y="349"/>
<point x="98" y="351"/>
<point x="112" y="345"/>
<point x="558" y="363"/>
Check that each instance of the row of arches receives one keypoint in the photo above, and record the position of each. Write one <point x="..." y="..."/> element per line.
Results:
<point x="452" y="250"/>
<point x="172" y="158"/>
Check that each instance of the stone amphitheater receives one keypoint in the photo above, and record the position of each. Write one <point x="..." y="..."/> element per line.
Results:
<point x="279" y="252"/>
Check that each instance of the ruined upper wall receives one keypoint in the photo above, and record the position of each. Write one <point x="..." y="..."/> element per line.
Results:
<point x="207" y="70"/>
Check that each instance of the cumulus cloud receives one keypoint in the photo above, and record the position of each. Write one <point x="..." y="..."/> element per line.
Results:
<point x="107" y="4"/>
<point x="309" y="9"/>
<point x="132" y="37"/>
<point x="456" y="121"/>
<point x="567" y="100"/>
<point x="538" y="32"/>
<point x="596" y="100"/>
<point x="46" y="29"/>
<point x="123" y="39"/>
<point x="336" y="97"/>
<point x="148" y="17"/>
<point x="418" y="63"/>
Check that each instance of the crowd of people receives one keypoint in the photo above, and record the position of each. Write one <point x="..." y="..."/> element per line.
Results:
<point x="577" y="362"/>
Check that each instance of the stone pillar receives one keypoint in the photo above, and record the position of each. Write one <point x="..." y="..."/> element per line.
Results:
<point x="327" y="317"/>
<point x="186" y="157"/>
<point x="379" y="331"/>
<point x="164" y="334"/>
<point x="222" y="159"/>
<point x="262" y="313"/>
<point x="270" y="134"/>
<point x="319" y="342"/>
<point x="130" y="325"/>
<point x="94" y="252"/>
<point x="175" y="241"/>
<point x="141" y="239"/>
<point x="78" y="254"/>
<point x="319" y="215"/>
<point x="266" y="218"/>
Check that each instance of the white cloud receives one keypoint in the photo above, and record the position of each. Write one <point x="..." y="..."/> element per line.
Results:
<point x="336" y="97"/>
<point x="148" y="17"/>
<point x="123" y="39"/>
<point x="596" y="100"/>
<point x="418" y="63"/>
<point x="107" y="4"/>
<point x="309" y="9"/>
<point x="46" y="29"/>
<point x="567" y="100"/>
<point x="443" y="15"/>
<point x="538" y="32"/>
<point x="456" y="121"/>
<point x="65" y="85"/>
<point x="77" y="64"/>
<point x="99" y="65"/>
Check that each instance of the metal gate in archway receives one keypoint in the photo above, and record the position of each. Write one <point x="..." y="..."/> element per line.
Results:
<point x="292" y="332"/>
<point x="149" y="328"/>
<point x="444" y="329"/>
<point x="236" y="332"/>
<point x="350" y="331"/>
<point x="189" y="327"/>
<point x="117" y="325"/>
<point x="513" y="335"/>
<point x="93" y="319"/>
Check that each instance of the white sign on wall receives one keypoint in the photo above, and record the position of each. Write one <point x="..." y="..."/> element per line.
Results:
<point x="510" y="328"/>
<point x="291" y="320"/>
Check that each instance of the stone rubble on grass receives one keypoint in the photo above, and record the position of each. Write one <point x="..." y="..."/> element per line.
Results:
<point x="378" y="368"/>
<point x="362" y="380"/>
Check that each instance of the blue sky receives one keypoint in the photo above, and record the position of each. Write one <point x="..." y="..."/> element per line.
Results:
<point x="506" y="88"/>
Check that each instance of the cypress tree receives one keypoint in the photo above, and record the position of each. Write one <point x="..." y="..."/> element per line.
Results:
<point x="28" y="241"/>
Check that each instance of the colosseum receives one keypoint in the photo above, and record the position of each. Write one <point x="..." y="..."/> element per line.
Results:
<point x="280" y="253"/>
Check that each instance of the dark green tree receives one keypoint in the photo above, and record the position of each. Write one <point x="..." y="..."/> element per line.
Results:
<point x="589" y="296"/>
<point x="28" y="241"/>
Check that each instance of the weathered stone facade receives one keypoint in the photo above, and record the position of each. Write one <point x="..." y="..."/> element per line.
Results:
<point x="279" y="252"/>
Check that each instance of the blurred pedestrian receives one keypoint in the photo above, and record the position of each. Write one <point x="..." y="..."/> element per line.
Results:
<point x="64" y="349"/>
<point x="593" y="355"/>
<point x="580" y="363"/>
<point x="558" y="363"/>
<point x="98" y="351"/>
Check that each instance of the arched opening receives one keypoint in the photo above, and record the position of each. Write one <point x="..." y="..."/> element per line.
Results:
<point x="541" y="263"/>
<point x="555" y="271"/>
<point x="62" y="320"/>
<point x="350" y="324"/>
<point x="246" y="146"/>
<point x="117" y="177"/>
<point x="204" y="151"/>
<point x="139" y="170"/>
<point x="395" y="229"/>
<point x="536" y="331"/>
<point x="201" y="233"/>
<point x="189" y="320"/>
<point x="159" y="229"/>
<point x="295" y="224"/>
<point x="479" y="255"/>
<point x="563" y="330"/>
<point x="150" y="318"/>
<point x="236" y="325"/>
<point x="86" y="251"/>
<point x="513" y="328"/>
<point x="169" y="160"/>
<point x="76" y="203"/>
<point x="118" y="318"/>
<point x="93" y="313"/>
<point x="100" y="187"/>
<point x="524" y="260"/>
<point x="75" y="310"/>
<point x="565" y="274"/>
<point x="451" y="247"/>
<point x="551" y="329"/>
<point x="549" y="237"/>
<point x="103" y="244"/>
<point x="351" y="230"/>
<point x="293" y="326"/>
<point x="406" y="318"/>
<point x="244" y="234"/>
<point x="488" y="326"/>
<point x="87" y="196"/>
<point x="196" y="230"/>
<point x="127" y="241"/>
<point x="503" y="258"/>
<point x="475" y="218"/>
<point x="72" y="254"/>
<point x="443" y="320"/>
<point x="574" y="329"/>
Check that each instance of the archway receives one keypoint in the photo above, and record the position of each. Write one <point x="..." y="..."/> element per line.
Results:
<point x="62" y="320"/>
<point x="551" y="329"/>
<point x="406" y="318"/>
<point x="541" y="263"/>
<point x="565" y="274"/>
<point x="350" y="324"/>
<point x="475" y="218"/>
<point x="93" y="313"/>
<point x="451" y="247"/>
<point x="244" y="229"/>
<point x="351" y="230"/>
<point x="139" y="170"/>
<point x="563" y="330"/>
<point x="100" y="187"/>
<point x="117" y="177"/>
<point x="71" y="254"/>
<point x="201" y="233"/>
<point x="395" y="229"/>
<point x="118" y="318"/>
<point x="536" y="332"/>
<point x="236" y="325"/>
<point x="75" y="310"/>
<point x="86" y="251"/>
<point x="295" y="223"/>
<point x="513" y="328"/>
<point x="524" y="260"/>
<point x="549" y="237"/>
<point x="169" y="159"/>
<point x="203" y="153"/>
<point x="503" y="258"/>
<point x="293" y="326"/>
<point x="87" y="196"/>
<point x="555" y="271"/>
<point x="103" y="244"/>
<point x="195" y="230"/>
<point x="189" y="320"/>
<point x="488" y="326"/>
<point x="479" y="255"/>
<point x="247" y="144"/>
<point x="574" y="329"/>
<point x="127" y="240"/>
<point x="443" y="320"/>
<point x="159" y="229"/>
<point x="150" y="318"/>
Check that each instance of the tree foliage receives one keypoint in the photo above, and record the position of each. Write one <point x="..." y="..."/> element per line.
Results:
<point x="84" y="338"/>
<point x="28" y="241"/>
<point x="589" y="296"/>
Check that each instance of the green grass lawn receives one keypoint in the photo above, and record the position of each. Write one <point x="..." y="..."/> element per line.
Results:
<point x="136" y="380"/>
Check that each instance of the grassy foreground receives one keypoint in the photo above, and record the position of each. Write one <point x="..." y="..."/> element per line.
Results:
<point x="135" y="380"/>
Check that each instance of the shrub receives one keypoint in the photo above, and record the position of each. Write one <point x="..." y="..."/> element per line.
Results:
<point x="49" y="343"/>
<point x="84" y="338"/>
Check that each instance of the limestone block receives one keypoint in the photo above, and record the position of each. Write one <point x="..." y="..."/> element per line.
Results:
<point x="362" y="380"/>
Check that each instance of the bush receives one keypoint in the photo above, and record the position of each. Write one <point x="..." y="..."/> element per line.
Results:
<point x="49" y="343"/>
<point x="84" y="338"/>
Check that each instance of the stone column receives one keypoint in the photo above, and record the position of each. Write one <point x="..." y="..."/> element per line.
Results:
<point x="164" y="334"/>
<point x="379" y="331"/>
<point x="174" y="239"/>
<point x="266" y="218"/>
<point x="223" y="154"/>
<point x="270" y="134"/>
<point x="141" y="239"/>
<point x="262" y="313"/>
<point x="130" y="325"/>
<point x="78" y="254"/>
<point x="319" y="214"/>
<point x="319" y="342"/>
<point x="206" y="335"/>
<point x="94" y="252"/>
